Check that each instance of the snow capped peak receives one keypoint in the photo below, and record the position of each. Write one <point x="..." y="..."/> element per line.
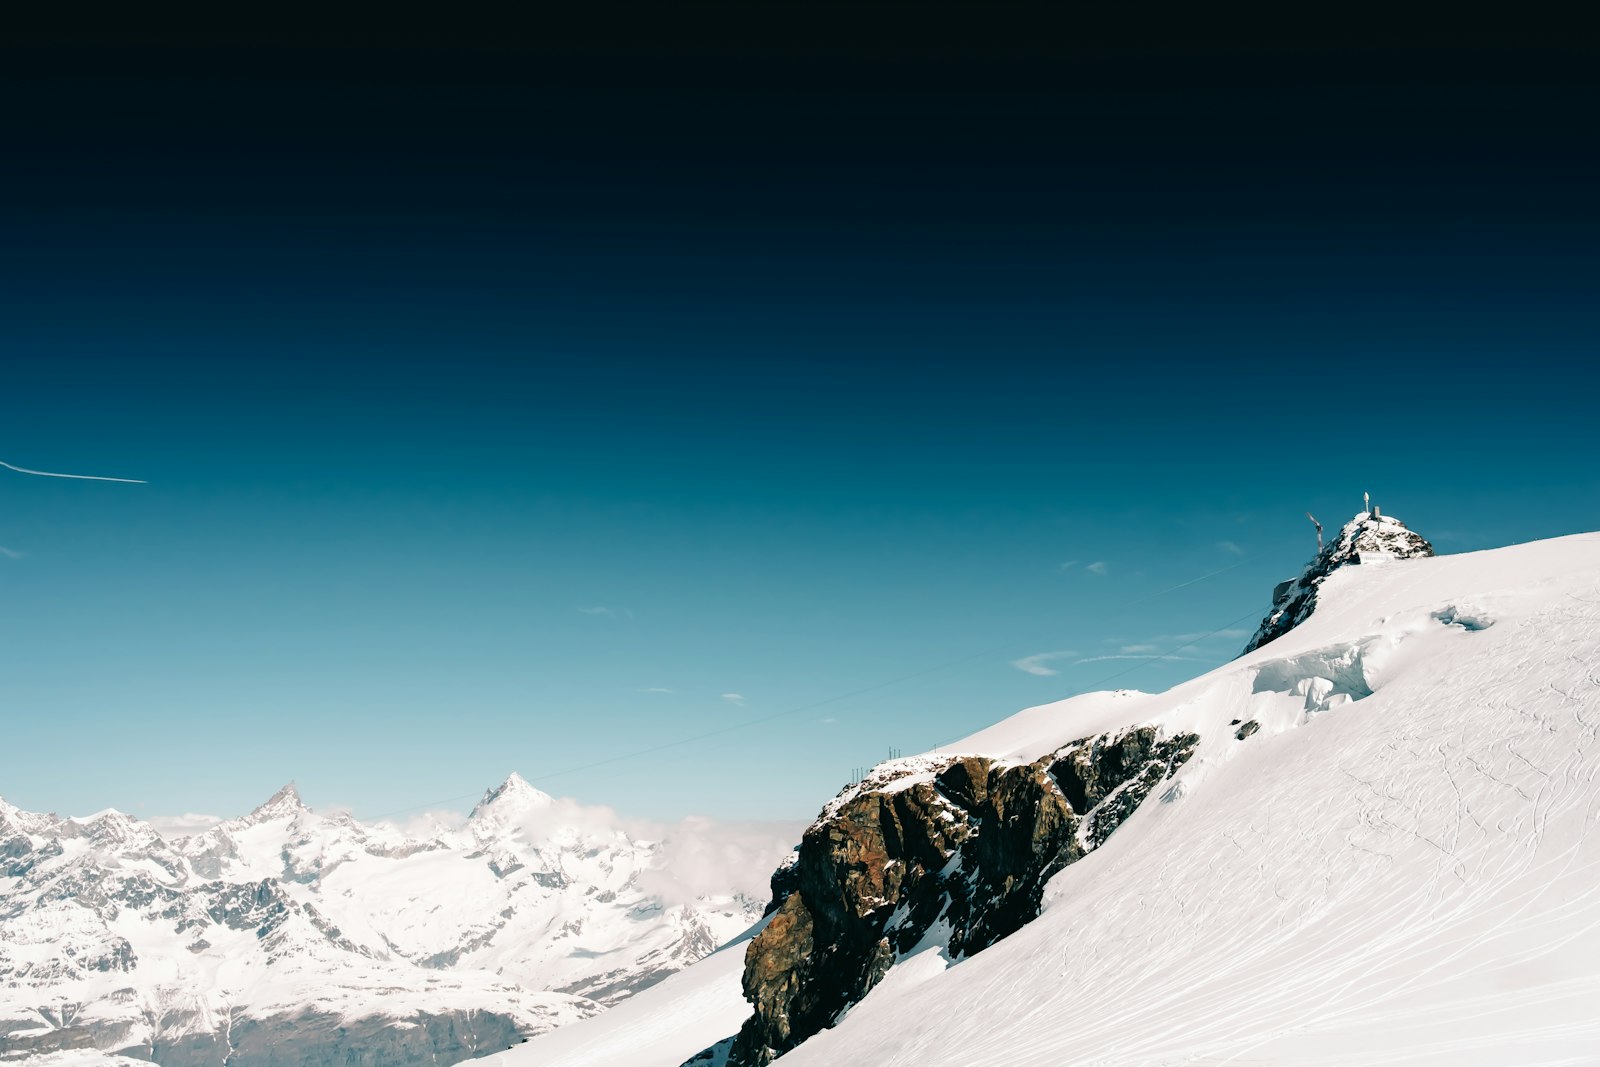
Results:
<point x="103" y="815"/>
<point x="19" y="820"/>
<point x="285" y="803"/>
<point x="510" y="798"/>
<point x="1369" y="537"/>
<point x="106" y="822"/>
<point x="1372" y="533"/>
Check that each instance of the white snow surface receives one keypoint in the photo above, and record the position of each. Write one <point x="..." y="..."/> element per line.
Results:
<point x="1398" y="868"/>
<point x="665" y="1024"/>
<point x="535" y="909"/>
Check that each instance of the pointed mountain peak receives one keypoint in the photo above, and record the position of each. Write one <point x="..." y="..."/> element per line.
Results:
<point x="14" y="817"/>
<point x="111" y="827"/>
<point x="514" y="795"/>
<point x="1374" y="535"/>
<point x="285" y="802"/>
<point x="1369" y="537"/>
<point x="104" y="815"/>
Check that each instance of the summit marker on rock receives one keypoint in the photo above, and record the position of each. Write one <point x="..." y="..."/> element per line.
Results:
<point x="1368" y="538"/>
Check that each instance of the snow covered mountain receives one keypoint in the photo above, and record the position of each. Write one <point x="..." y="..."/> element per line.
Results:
<point x="1367" y="841"/>
<point x="1369" y="537"/>
<point x="293" y="937"/>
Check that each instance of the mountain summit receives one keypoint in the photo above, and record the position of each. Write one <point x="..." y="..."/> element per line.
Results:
<point x="510" y="799"/>
<point x="285" y="803"/>
<point x="1370" y="537"/>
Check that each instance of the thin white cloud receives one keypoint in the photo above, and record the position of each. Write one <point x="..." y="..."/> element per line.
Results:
<point x="734" y="698"/>
<point x="1177" y="641"/>
<point x="1209" y="635"/>
<point x="701" y="857"/>
<point x="1067" y="566"/>
<point x="431" y="823"/>
<point x="1179" y="659"/>
<point x="76" y="477"/>
<point x="1138" y="650"/>
<point x="9" y="553"/>
<point x="695" y="857"/>
<point x="601" y="612"/>
<point x="1099" y="566"/>
<point x="171" y="826"/>
<point x="829" y="721"/>
<point x="656" y="689"/>
<point x="1231" y="547"/>
<point x="1035" y="664"/>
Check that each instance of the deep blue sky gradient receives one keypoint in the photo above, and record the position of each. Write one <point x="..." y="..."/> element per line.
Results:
<point x="811" y="370"/>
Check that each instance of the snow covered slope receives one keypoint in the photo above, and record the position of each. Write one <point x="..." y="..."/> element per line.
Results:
<point x="293" y="937"/>
<point x="1381" y="852"/>
<point x="1369" y="537"/>
<point x="665" y="1024"/>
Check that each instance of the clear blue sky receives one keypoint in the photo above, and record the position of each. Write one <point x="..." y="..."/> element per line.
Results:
<point x="470" y="452"/>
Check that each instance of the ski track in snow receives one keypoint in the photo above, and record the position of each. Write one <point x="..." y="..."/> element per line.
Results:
<point x="1407" y="877"/>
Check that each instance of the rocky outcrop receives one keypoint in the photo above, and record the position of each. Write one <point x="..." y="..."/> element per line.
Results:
<point x="956" y="849"/>
<point x="1367" y="537"/>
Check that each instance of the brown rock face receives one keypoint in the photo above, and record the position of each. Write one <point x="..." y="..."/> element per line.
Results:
<point x="972" y="842"/>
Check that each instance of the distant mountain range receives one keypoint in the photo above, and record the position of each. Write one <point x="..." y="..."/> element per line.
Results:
<point x="293" y="937"/>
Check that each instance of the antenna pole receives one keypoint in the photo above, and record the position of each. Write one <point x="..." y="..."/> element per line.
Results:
<point x="1318" y="525"/>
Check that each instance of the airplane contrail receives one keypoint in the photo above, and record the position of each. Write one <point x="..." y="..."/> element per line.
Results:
<point x="79" y="477"/>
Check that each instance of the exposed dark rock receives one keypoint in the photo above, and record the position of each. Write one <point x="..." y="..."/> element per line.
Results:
<point x="262" y="907"/>
<point x="1247" y="729"/>
<point x="785" y="880"/>
<point x="118" y="955"/>
<point x="1367" y="536"/>
<point x="968" y="840"/>
<point x="715" y="1056"/>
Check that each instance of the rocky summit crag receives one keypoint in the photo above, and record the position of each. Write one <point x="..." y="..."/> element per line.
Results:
<point x="950" y="849"/>
<point x="1367" y="538"/>
<point x="291" y="937"/>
